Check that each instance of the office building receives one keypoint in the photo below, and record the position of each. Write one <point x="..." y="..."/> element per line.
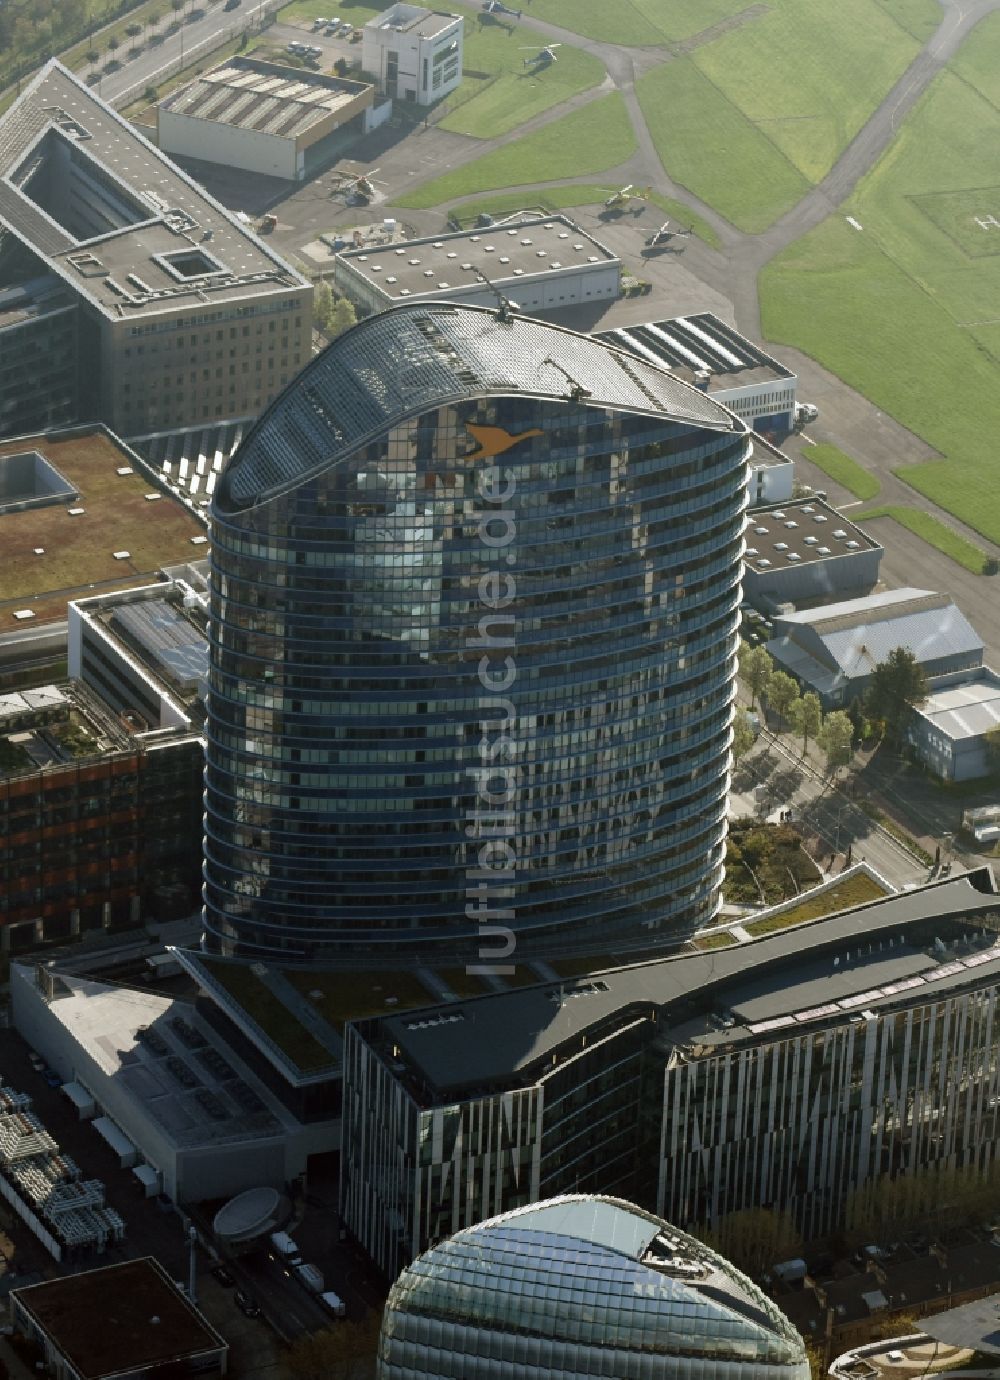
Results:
<point x="704" y="350"/>
<point x="834" y="649"/>
<point x="172" y="309"/>
<point x="101" y="820"/>
<point x="475" y="596"/>
<point x="129" y="1318"/>
<point x="804" y="553"/>
<point x="790" y="1072"/>
<point x="76" y="510"/>
<point x="949" y="731"/>
<point x="263" y="117"/>
<point x="415" y="53"/>
<point x="582" y="1286"/>
<point x="540" y="263"/>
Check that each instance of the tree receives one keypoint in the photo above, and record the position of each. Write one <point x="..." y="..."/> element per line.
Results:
<point x="343" y="318"/>
<point x="323" y="306"/>
<point x="113" y="44"/>
<point x="898" y="685"/>
<point x="836" y="738"/>
<point x="134" y="30"/>
<point x="807" y="717"/>
<point x="93" y="56"/>
<point x="991" y="742"/>
<point x="743" y="735"/>
<point x="756" y="668"/>
<point x="348" y="1353"/>
<point x="755" y="1238"/>
<point x="782" y="692"/>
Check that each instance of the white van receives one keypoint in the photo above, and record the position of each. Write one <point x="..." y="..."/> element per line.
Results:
<point x="283" y="1245"/>
<point x="334" y="1302"/>
<point x="309" y="1276"/>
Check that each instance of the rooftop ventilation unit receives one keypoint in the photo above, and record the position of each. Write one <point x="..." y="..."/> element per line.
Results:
<point x="779" y="513"/>
<point x="839" y="532"/>
<point x="821" y="517"/>
<point x="781" y="546"/>
<point x="823" y="550"/>
<point x="763" y="563"/>
<point x="794" y="556"/>
<point x="791" y="523"/>
<point x="811" y="541"/>
<point x="853" y="545"/>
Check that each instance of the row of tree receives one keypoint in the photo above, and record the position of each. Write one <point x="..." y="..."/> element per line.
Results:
<point x="897" y="686"/>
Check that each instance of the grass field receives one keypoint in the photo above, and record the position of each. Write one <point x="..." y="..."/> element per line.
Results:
<point x="353" y="11"/>
<point x="708" y="146"/>
<point x="621" y="22"/>
<point x="506" y="93"/>
<point x="589" y="140"/>
<point x="918" y="17"/>
<point x="843" y="470"/>
<point x="932" y="531"/>
<point x="750" y="119"/>
<point x="854" y="891"/>
<point x="902" y="310"/>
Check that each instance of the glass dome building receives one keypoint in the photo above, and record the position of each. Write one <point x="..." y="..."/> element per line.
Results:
<point x="582" y="1286"/>
<point x="475" y="589"/>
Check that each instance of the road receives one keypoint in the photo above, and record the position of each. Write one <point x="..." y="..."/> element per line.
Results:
<point x="215" y="26"/>
<point x="818" y="808"/>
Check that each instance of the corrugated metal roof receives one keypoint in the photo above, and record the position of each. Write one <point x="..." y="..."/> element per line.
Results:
<point x="965" y="711"/>
<point x="409" y="359"/>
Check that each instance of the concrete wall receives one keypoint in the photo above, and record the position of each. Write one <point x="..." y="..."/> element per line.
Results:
<point x="850" y="575"/>
<point x="771" y="482"/>
<point x="250" y="149"/>
<point x="540" y="292"/>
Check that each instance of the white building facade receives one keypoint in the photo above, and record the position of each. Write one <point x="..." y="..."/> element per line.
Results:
<point x="415" y="53"/>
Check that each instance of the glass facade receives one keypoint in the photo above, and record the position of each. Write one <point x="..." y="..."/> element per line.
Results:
<point x="475" y="609"/>
<point x="581" y="1286"/>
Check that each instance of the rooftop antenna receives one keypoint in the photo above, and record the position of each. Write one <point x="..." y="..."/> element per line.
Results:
<point x="576" y="390"/>
<point x="505" y="307"/>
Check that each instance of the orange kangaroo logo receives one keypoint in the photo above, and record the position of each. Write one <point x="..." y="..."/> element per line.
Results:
<point x="493" y="440"/>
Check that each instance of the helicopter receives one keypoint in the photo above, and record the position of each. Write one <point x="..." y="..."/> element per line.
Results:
<point x="498" y="7"/>
<point x="664" y="235"/>
<point x="626" y="193"/>
<point x="544" y="56"/>
<point x="360" y="191"/>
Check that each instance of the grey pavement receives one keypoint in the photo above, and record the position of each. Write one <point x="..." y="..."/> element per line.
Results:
<point x="820" y="809"/>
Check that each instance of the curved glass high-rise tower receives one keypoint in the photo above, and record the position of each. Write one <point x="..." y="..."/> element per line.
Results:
<point x="474" y="624"/>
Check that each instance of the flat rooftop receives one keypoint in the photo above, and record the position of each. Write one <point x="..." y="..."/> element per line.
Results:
<point x="78" y="550"/>
<point x="801" y="533"/>
<point x="505" y="253"/>
<point x="491" y="1040"/>
<point x="284" y="102"/>
<point x="156" y="627"/>
<point x="101" y="1320"/>
<point x="152" y="241"/>
<point x="155" y="1049"/>
<point x="703" y="343"/>
<point x="300" y="1013"/>
<point x="56" y="724"/>
<point x="413" y="19"/>
<point x="966" y="710"/>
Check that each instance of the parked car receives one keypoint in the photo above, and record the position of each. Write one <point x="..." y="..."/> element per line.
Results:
<point x="232" y="4"/>
<point x="319" y="23"/>
<point x="246" y="1304"/>
<point x="220" y="1273"/>
<point x="36" y="1061"/>
<point x="53" y="1079"/>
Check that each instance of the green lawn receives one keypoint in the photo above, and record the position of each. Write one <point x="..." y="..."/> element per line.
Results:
<point x="551" y="199"/>
<point x="918" y="17"/>
<point x="589" y="140"/>
<point x="749" y="120"/>
<point x="906" y="309"/>
<point x="499" y="92"/>
<point x="708" y="146"/>
<point x="620" y="21"/>
<point x="843" y="470"/>
<point x="932" y="531"/>
<point x="853" y="891"/>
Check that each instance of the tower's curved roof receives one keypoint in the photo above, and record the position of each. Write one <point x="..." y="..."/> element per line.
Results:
<point x="598" y="1271"/>
<point x="412" y="358"/>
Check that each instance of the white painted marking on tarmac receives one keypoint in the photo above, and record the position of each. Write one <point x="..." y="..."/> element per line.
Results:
<point x="855" y="223"/>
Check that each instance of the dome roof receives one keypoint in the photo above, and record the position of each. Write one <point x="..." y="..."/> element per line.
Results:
<point x="597" y="1271"/>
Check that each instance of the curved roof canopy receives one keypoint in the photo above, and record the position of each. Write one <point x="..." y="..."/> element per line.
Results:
<point x="412" y="358"/>
<point x="584" y="1268"/>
